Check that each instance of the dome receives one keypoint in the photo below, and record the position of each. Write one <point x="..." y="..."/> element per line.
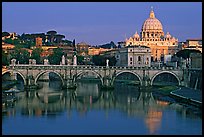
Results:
<point x="136" y="35"/>
<point x="152" y="23"/>
<point x="168" y="35"/>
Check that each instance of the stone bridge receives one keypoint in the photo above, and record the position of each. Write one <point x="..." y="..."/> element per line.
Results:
<point x="69" y="74"/>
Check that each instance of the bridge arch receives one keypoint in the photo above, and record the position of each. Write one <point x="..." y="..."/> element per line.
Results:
<point x="14" y="71"/>
<point x="127" y="71"/>
<point x="83" y="72"/>
<point x="179" y="82"/>
<point x="41" y="73"/>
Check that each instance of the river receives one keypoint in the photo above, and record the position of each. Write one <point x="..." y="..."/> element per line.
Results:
<point x="90" y="111"/>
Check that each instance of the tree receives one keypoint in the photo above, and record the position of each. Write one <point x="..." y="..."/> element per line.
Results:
<point x="8" y="40"/>
<point x="36" y="55"/>
<point x="112" y="60"/>
<point x="21" y="55"/>
<point x="80" y="60"/>
<point x="56" y="57"/>
<point x="186" y="53"/>
<point x="51" y="35"/>
<point x="67" y="42"/>
<point x="100" y="60"/>
<point x="59" y="38"/>
<point x="5" y="34"/>
<point x="5" y="61"/>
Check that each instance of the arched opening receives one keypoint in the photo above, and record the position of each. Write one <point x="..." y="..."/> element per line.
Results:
<point x="87" y="76"/>
<point x="126" y="81"/>
<point x="165" y="79"/>
<point x="49" y="81"/>
<point x="13" y="79"/>
<point x="88" y="84"/>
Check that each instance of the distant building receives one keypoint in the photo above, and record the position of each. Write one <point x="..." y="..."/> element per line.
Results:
<point x="38" y="42"/>
<point x="137" y="56"/>
<point x="96" y="51"/>
<point x="152" y="36"/>
<point x="69" y="50"/>
<point x="8" y="48"/>
<point x="82" y="49"/>
<point x="194" y="44"/>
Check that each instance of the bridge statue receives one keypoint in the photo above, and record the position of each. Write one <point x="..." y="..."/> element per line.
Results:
<point x="46" y="62"/>
<point x="13" y="62"/>
<point x="63" y="60"/>
<point x="107" y="62"/>
<point x="75" y="60"/>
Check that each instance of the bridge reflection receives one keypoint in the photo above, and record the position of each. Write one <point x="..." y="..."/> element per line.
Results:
<point x="132" y="103"/>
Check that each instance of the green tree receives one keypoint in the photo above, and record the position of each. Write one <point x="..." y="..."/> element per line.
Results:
<point x="21" y="55"/>
<point x="59" y="38"/>
<point x="36" y="55"/>
<point x="51" y="35"/>
<point x="5" y="60"/>
<point x="5" y="34"/>
<point x="100" y="60"/>
<point x="186" y="53"/>
<point x="112" y="60"/>
<point x="8" y="40"/>
<point x="80" y="60"/>
<point x="56" y="57"/>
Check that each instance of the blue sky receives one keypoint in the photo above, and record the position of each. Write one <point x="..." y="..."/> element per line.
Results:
<point x="101" y="22"/>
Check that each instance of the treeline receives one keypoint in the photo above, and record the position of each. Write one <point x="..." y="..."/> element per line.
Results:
<point x="28" y="40"/>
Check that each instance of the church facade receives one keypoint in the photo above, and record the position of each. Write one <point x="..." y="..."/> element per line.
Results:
<point x="153" y="36"/>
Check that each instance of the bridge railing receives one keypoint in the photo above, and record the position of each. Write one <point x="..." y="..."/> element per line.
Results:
<point x="32" y="66"/>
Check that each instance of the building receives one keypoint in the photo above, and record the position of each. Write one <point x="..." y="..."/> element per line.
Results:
<point x="38" y="42"/>
<point x="137" y="56"/>
<point x="96" y="51"/>
<point x="68" y="49"/>
<point x="82" y="49"/>
<point x="152" y="35"/>
<point x="194" y="44"/>
<point x="8" y="48"/>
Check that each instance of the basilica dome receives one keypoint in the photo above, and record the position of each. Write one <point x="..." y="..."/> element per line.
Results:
<point x="152" y="23"/>
<point x="136" y="35"/>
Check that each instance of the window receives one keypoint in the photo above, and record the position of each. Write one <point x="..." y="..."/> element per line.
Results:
<point x="147" y="62"/>
<point x="139" y="58"/>
<point x="130" y="58"/>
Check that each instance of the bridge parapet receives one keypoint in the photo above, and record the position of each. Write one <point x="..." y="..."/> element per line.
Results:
<point x="107" y="74"/>
<point x="24" y="66"/>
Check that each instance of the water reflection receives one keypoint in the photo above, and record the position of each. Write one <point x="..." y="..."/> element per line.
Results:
<point x="51" y="103"/>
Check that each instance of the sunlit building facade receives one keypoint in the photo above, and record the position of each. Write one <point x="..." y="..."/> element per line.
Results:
<point x="137" y="56"/>
<point x="153" y="36"/>
<point x="195" y="44"/>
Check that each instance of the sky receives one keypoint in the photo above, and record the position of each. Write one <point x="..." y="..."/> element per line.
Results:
<point x="97" y="23"/>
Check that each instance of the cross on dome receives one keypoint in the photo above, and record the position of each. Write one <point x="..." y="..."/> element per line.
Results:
<point x="151" y="15"/>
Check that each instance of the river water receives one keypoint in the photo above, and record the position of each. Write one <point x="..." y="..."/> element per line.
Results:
<point x="90" y="111"/>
